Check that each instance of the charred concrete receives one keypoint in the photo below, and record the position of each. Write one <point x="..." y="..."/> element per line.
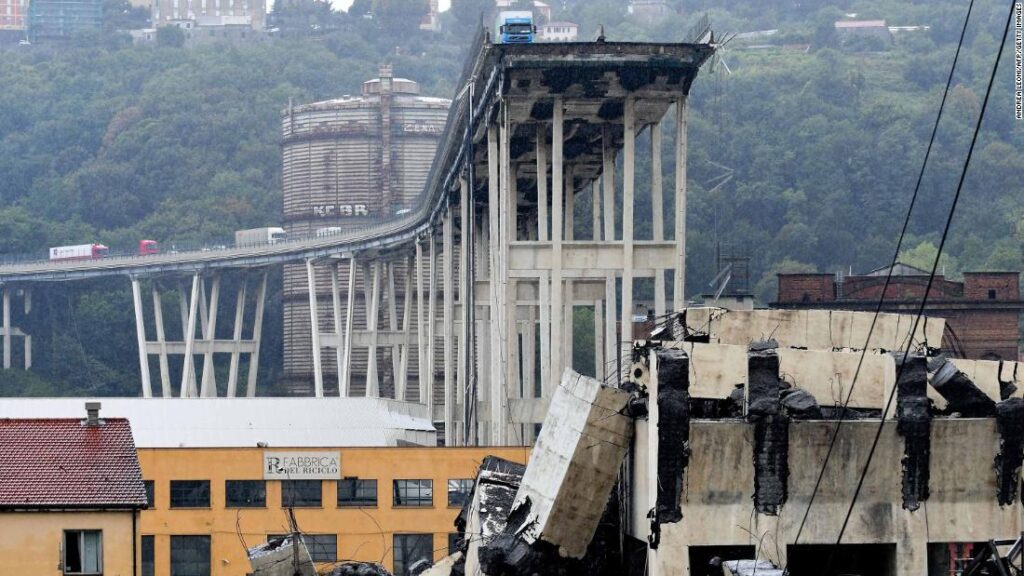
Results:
<point x="963" y="396"/>
<point x="913" y="414"/>
<point x="771" y="427"/>
<point x="673" y="432"/>
<point x="763" y="382"/>
<point x="1010" y="421"/>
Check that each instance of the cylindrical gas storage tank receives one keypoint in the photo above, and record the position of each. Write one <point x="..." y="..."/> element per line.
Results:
<point x="351" y="162"/>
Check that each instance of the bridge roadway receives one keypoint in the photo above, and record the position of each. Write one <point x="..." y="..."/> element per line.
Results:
<point x="498" y="258"/>
<point x="364" y="239"/>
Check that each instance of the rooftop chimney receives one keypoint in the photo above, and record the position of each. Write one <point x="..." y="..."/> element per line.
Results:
<point x="92" y="410"/>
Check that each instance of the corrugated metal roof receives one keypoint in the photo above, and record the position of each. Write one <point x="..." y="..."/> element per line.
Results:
<point x="243" y="422"/>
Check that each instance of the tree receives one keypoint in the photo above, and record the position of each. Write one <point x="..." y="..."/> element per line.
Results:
<point x="401" y="16"/>
<point x="170" y="37"/>
<point x="469" y="13"/>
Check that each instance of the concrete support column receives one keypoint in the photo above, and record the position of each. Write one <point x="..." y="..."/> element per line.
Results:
<point x="8" y="329"/>
<point x="628" y="185"/>
<point x="911" y="530"/>
<point x="339" y="334"/>
<point x="257" y="334"/>
<point x="402" y="379"/>
<point x="497" y="176"/>
<point x="599" y="345"/>
<point x="678" y="295"/>
<point x="161" y="339"/>
<point x="611" y="352"/>
<point x="448" y="332"/>
<point x="467" y="376"/>
<point x="569" y="296"/>
<point x="372" y="321"/>
<point x="558" y="363"/>
<point x="236" y="353"/>
<point x="431" y="328"/>
<point x="188" y="372"/>
<point x="393" y="322"/>
<point x="542" y="183"/>
<point x="140" y="335"/>
<point x="209" y="385"/>
<point x="421" y="327"/>
<point x="345" y="365"/>
<point x="658" y="213"/>
<point x="314" y="320"/>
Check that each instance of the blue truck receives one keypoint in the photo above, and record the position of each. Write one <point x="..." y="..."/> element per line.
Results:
<point x="515" y="27"/>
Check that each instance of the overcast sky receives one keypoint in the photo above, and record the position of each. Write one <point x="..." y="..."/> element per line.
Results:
<point x="344" y="4"/>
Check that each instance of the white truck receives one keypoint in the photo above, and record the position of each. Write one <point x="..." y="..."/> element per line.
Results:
<point x="260" y="236"/>
<point x="79" y="252"/>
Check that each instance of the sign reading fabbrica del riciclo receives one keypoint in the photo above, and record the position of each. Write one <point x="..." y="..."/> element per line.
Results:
<point x="301" y="465"/>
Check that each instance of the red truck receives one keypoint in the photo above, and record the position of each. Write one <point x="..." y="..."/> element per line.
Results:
<point x="97" y="251"/>
<point x="148" y="247"/>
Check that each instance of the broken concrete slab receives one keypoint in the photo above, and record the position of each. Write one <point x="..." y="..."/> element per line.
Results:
<point x="750" y="568"/>
<point x="961" y="394"/>
<point x="362" y="569"/>
<point x="486" y="515"/>
<point x="800" y="404"/>
<point x="278" y="558"/>
<point x="573" y="465"/>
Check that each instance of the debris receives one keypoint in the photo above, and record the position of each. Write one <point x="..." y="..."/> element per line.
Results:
<point x="963" y="396"/>
<point x="751" y="568"/>
<point x="362" y="569"/>
<point x="445" y="566"/>
<point x="800" y="404"/>
<point x="565" y="488"/>
<point x="278" y="557"/>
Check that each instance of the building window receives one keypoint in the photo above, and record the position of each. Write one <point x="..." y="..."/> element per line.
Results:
<point x="459" y="491"/>
<point x="455" y="541"/>
<point x="414" y="493"/>
<point x="322" y="547"/>
<point x="412" y="552"/>
<point x="190" y="556"/>
<point x="83" y="552"/>
<point x="190" y="493"/>
<point x="357" y="492"/>
<point x="245" y="494"/>
<point x="150" y="496"/>
<point x="301" y="493"/>
<point x="148" y="556"/>
<point x="991" y="294"/>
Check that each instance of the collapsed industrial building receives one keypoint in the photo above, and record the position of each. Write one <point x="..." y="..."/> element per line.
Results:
<point x="736" y="443"/>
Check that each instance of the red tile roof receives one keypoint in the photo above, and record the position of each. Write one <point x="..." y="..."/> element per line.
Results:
<point x="62" y="463"/>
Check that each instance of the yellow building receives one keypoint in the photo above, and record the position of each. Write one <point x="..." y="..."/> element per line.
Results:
<point x="364" y="478"/>
<point x="70" y="493"/>
<point x="389" y="505"/>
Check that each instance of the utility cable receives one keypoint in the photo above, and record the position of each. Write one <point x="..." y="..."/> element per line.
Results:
<point x="931" y="278"/>
<point x="888" y="277"/>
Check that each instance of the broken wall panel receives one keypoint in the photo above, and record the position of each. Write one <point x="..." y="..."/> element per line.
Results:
<point x="574" y="464"/>
<point x="811" y="329"/>
<point x="673" y="432"/>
